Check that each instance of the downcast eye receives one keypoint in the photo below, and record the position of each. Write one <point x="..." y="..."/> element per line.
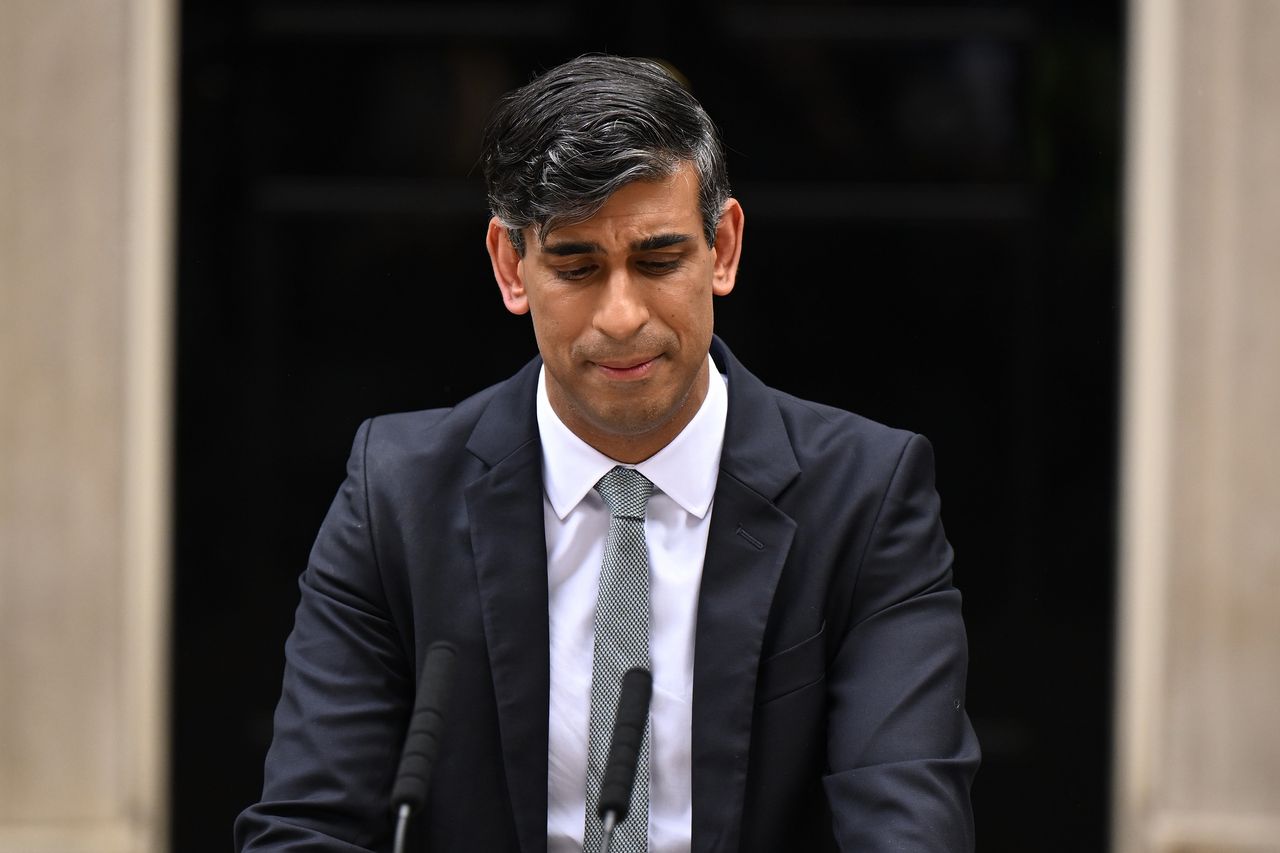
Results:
<point x="574" y="274"/>
<point x="659" y="266"/>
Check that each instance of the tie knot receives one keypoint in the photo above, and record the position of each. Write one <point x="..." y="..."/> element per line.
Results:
<point x="625" y="491"/>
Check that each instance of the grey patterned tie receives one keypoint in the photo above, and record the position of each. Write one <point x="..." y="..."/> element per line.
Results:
<point x="622" y="641"/>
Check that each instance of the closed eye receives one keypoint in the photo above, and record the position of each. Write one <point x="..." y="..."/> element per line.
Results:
<point x="659" y="267"/>
<point x="575" y="274"/>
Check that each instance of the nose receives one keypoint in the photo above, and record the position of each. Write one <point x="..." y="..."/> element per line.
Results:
<point x="622" y="309"/>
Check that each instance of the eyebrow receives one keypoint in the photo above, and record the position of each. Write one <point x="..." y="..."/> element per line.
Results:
<point x="660" y="241"/>
<point x="648" y="244"/>
<point x="572" y="248"/>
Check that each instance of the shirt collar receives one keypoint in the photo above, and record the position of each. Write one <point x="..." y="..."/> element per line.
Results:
<point x="685" y="470"/>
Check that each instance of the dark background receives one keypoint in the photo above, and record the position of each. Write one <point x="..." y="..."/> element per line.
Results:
<point x="931" y="194"/>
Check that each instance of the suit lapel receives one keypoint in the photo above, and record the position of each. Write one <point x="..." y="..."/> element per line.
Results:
<point x="509" y="545"/>
<point x="746" y="549"/>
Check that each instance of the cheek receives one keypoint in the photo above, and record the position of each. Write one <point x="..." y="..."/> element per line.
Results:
<point x="687" y="310"/>
<point x="556" y="322"/>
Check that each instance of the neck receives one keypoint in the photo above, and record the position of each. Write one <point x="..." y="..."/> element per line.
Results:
<point x="632" y="449"/>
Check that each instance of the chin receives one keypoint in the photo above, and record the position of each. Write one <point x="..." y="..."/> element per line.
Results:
<point x="631" y="421"/>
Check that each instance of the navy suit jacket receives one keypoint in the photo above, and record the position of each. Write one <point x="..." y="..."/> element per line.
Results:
<point x="829" y="663"/>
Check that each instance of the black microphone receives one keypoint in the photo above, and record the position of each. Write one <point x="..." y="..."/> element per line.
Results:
<point x="620" y="768"/>
<point x="418" y="757"/>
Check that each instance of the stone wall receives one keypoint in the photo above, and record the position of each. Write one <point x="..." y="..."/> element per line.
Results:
<point x="1198" y="744"/>
<point x="85" y="123"/>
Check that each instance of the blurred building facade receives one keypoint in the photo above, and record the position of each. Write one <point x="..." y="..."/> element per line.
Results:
<point x="1197" y="748"/>
<point x="85" y="284"/>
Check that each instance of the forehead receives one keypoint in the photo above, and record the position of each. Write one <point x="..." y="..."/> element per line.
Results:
<point x="664" y="205"/>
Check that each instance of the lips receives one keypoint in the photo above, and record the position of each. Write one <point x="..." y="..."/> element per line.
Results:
<point x="626" y="363"/>
<point x="636" y="367"/>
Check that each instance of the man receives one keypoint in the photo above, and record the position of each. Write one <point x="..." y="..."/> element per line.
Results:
<point x="794" y="605"/>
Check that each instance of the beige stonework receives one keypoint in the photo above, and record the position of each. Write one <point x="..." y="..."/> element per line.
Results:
<point x="1198" y="745"/>
<point x="84" y="363"/>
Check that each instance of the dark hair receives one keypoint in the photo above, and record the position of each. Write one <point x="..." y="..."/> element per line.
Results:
<point x="557" y="148"/>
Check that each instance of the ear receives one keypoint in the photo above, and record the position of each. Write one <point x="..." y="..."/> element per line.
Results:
<point x="728" y="248"/>
<point x="508" y="267"/>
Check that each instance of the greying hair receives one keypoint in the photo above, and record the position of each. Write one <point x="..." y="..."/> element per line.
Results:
<point x="559" y="147"/>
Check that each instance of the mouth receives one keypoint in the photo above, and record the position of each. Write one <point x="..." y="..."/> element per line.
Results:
<point x="627" y="368"/>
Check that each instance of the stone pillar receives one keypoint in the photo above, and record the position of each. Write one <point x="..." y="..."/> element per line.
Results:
<point x="85" y="221"/>
<point x="1198" y="682"/>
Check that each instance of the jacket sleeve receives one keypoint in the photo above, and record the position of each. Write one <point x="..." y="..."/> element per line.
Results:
<point x="900" y="749"/>
<point x="345" y="701"/>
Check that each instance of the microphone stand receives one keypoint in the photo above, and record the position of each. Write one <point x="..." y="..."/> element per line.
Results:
<point x="624" y="747"/>
<point x="418" y="757"/>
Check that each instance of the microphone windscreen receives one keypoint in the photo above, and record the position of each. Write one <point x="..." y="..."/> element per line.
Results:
<point x="413" y="779"/>
<point x="628" y="733"/>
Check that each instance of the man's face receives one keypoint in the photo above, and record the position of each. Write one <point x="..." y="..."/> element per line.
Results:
<point x="621" y="308"/>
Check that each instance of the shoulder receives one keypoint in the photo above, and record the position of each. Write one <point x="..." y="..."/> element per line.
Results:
<point x="775" y="440"/>
<point x="441" y="440"/>
<point x="822" y="434"/>
<point x="402" y="433"/>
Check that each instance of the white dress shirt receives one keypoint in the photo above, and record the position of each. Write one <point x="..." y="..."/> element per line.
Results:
<point x="676" y="524"/>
